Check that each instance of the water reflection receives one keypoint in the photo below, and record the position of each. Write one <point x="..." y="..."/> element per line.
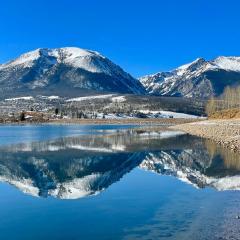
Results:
<point x="75" y="167"/>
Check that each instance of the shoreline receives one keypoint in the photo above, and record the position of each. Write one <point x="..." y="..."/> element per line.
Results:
<point x="224" y="132"/>
<point x="133" y="121"/>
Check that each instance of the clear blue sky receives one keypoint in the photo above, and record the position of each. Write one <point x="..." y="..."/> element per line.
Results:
<point x="142" y="36"/>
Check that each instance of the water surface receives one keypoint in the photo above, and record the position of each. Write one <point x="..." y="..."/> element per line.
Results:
<point x="115" y="182"/>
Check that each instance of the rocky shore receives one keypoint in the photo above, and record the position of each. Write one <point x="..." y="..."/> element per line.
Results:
<point x="134" y="121"/>
<point x="224" y="132"/>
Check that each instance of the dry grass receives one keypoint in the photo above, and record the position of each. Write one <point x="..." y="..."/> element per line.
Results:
<point x="226" y="114"/>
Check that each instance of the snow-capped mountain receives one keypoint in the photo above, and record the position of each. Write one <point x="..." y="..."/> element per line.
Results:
<point x="200" y="78"/>
<point x="64" y="71"/>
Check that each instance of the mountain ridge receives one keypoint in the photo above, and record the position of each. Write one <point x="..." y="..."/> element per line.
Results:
<point x="200" y="78"/>
<point x="74" y="72"/>
<point x="64" y="70"/>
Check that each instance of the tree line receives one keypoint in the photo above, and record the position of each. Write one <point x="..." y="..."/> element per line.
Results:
<point x="230" y="99"/>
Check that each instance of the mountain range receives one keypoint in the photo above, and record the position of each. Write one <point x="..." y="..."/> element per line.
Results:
<point x="199" y="79"/>
<point x="72" y="71"/>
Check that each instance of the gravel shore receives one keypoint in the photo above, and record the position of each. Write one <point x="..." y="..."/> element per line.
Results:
<point x="134" y="121"/>
<point x="224" y="132"/>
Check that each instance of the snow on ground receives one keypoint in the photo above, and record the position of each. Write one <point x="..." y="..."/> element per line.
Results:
<point x="51" y="97"/>
<point x="148" y="114"/>
<point x="113" y="97"/>
<point x="114" y="116"/>
<point x="28" y="98"/>
<point x="119" y="99"/>
<point x="79" y="99"/>
<point x="168" y="114"/>
<point x="178" y="115"/>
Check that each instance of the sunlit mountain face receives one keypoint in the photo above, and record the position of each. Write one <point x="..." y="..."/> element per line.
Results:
<point x="68" y="71"/>
<point x="76" y="167"/>
<point x="198" y="79"/>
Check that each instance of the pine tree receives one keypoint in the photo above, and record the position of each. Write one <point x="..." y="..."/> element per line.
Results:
<point x="22" y="116"/>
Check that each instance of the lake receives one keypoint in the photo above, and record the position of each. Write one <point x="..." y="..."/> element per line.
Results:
<point x="115" y="182"/>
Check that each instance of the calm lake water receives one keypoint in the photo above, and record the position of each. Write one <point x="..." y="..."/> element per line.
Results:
<point x="115" y="182"/>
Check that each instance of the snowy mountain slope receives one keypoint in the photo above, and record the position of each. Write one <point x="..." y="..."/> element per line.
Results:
<point x="65" y="70"/>
<point x="200" y="78"/>
<point x="227" y="63"/>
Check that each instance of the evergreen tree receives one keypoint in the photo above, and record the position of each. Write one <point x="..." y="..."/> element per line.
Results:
<point x="56" y="111"/>
<point x="22" y="116"/>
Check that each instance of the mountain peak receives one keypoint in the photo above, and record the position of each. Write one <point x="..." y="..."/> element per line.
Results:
<point x="199" y="78"/>
<point x="67" y="68"/>
<point x="69" y="54"/>
<point x="79" y="52"/>
<point x="197" y="61"/>
<point x="190" y="66"/>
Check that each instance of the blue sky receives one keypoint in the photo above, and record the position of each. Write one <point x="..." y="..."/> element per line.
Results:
<point x="142" y="36"/>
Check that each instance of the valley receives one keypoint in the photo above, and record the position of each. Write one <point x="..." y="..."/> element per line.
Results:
<point x="76" y="86"/>
<point x="120" y="120"/>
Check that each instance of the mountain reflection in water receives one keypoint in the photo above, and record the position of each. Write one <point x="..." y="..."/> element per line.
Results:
<point x="75" y="167"/>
